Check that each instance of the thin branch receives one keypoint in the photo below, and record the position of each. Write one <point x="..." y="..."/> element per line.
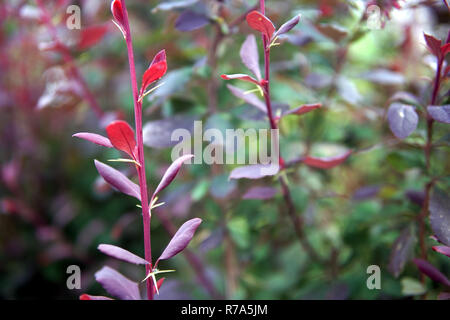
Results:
<point x="427" y="153"/>
<point x="291" y="211"/>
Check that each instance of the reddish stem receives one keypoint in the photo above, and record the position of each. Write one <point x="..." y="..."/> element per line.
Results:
<point x="430" y="121"/>
<point x="266" y="86"/>
<point x="141" y="159"/>
<point x="296" y="221"/>
<point x="427" y="151"/>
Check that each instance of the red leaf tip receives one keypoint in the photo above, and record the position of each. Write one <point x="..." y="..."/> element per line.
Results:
<point x="155" y="71"/>
<point x="117" y="11"/>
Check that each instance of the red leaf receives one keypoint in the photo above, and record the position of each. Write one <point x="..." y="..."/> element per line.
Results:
<point x="442" y="250"/>
<point x="445" y="49"/>
<point x="446" y="72"/>
<point x="117" y="11"/>
<point x="85" y="296"/>
<point x="155" y="71"/>
<point x="240" y="76"/>
<point x="121" y="136"/>
<point x="301" y="110"/>
<point x="326" y="163"/>
<point x="434" y="45"/>
<point x="304" y="108"/>
<point x="257" y="21"/>
<point x="91" y="36"/>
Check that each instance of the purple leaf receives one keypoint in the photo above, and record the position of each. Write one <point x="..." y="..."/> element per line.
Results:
<point x="117" y="284"/>
<point x="249" y="55"/>
<point x="318" y="81"/>
<point x="95" y="138"/>
<point x="366" y="192"/>
<point x="181" y="239"/>
<point x="444" y="296"/>
<point x="384" y="77"/>
<point x="189" y="20"/>
<point x="118" y="180"/>
<point x="401" y="251"/>
<point x="299" y="38"/>
<point x="171" y="173"/>
<point x="338" y="291"/>
<point x="287" y="26"/>
<point x="336" y="33"/>
<point x="348" y="90"/>
<point x="416" y="196"/>
<point x="172" y="5"/>
<point x="442" y="250"/>
<point x="250" y="98"/>
<point x="440" y="216"/>
<point x="262" y="193"/>
<point x="403" y="119"/>
<point x="440" y="113"/>
<point x="256" y="171"/>
<point x="121" y="254"/>
<point x="430" y="271"/>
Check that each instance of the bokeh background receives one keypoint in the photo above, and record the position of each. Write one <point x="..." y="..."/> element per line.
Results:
<point x="55" y="210"/>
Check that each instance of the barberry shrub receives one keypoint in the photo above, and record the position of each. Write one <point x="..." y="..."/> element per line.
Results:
<point x="122" y="137"/>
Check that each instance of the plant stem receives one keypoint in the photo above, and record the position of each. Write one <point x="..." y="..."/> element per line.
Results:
<point x="427" y="152"/>
<point x="430" y="121"/>
<point x="296" y="221"/>
<point x="266" y="86"/>
<point x="422" y="215"/>
<point x="146" y="215"/>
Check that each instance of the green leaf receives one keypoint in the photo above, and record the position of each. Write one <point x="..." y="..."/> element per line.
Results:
<point x="412" y="287"/>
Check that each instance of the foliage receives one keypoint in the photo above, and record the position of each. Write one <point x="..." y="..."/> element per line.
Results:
<point x="364" y="172"/>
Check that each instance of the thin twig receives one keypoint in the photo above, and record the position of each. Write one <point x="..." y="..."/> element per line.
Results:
<point x="427" y="153"/>
<point x="291" y="212"/>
